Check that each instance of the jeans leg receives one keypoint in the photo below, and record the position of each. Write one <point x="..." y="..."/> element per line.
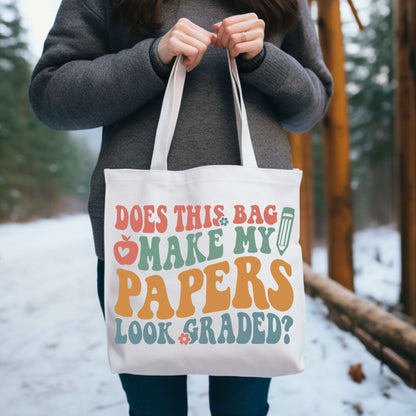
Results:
<point x="238" y="396"/>
<point x="100" y="283"/>
<point x="149" y="395"/>
<point x="155" y="395"/>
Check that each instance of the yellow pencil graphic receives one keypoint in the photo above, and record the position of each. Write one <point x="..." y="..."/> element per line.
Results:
<point x="285" y="229"/>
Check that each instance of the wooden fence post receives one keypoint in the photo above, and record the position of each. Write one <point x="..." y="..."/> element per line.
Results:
<point x="336" y="149"/>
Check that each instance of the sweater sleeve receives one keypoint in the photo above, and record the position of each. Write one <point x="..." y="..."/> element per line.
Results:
<point x="78" y="83"/>
<point x="294" y="77"/>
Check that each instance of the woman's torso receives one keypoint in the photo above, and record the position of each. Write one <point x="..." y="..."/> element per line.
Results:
<point x="206" y="131"/>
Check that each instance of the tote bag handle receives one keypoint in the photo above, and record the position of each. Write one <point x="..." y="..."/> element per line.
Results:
<point x="170" y="111"/>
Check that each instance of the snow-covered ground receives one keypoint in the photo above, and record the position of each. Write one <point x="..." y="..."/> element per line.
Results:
<point x="53" y="355"/>
<point x="376" y="264"/>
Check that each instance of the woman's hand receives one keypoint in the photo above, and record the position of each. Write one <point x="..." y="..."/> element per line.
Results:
<point x="241" y="34"/>
<point x="185" y="38"/>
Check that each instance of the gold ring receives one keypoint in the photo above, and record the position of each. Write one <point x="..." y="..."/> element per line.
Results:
<point x="243" y="37"/>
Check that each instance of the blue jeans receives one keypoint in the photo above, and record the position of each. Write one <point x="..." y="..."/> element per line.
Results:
<point x="167" y="396"/>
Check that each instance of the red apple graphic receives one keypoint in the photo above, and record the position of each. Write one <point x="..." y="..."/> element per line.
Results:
<point x="126" y="251"/>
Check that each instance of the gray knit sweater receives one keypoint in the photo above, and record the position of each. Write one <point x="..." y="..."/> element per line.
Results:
<point x="96" y="73"/>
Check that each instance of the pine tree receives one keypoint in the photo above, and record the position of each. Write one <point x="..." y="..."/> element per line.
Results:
<point x="370" y="88"/>
<point x="371" y="106"/>
<point x="37" y="165"/>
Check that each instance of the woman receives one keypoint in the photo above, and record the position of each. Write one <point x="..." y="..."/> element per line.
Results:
<point x="106" y="63"/>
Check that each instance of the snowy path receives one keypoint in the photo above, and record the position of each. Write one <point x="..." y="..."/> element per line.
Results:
<point x="53" y="354"/>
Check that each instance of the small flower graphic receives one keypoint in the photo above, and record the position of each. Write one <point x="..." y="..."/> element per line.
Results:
<point x="184" y="338"/>
<point x="223" y="221"/>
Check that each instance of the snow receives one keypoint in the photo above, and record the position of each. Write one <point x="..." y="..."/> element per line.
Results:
<point x="376" y="264"/>
<point x="53" y="354"/>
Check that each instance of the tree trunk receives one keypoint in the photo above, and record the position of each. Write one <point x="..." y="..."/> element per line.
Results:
<point x="301" y="145"/>
<point x="336" y="149"/>
<point x="380" y="324"/>
<point x="406" y="148"/>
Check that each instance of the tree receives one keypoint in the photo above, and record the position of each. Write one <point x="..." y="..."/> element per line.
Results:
<point x="370" y="88"/>
<point x="371" y="104"/>
<point x="37" y="165"/>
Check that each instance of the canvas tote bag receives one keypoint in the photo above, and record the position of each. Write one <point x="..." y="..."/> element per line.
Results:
<point x="203" y="267"/>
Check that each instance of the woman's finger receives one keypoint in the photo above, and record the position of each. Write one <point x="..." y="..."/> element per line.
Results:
<point x="216" y="41"/>
<point x="191" y="29"/>
<point x="191" y="34"/>
<point x="251" y="28"/>
<point x="191" y="47"/>
<point x="186" y="38"/>
<point x="178" y="47"/>
<point x="190" y="24"/>
<point x="251" y="49"/>
<point x="241" y="34"/>
<point x="190" y="40"/>
<point x="245" y="37"/>
<point x="231" y="20"/>
<point x="194" y="56"/>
